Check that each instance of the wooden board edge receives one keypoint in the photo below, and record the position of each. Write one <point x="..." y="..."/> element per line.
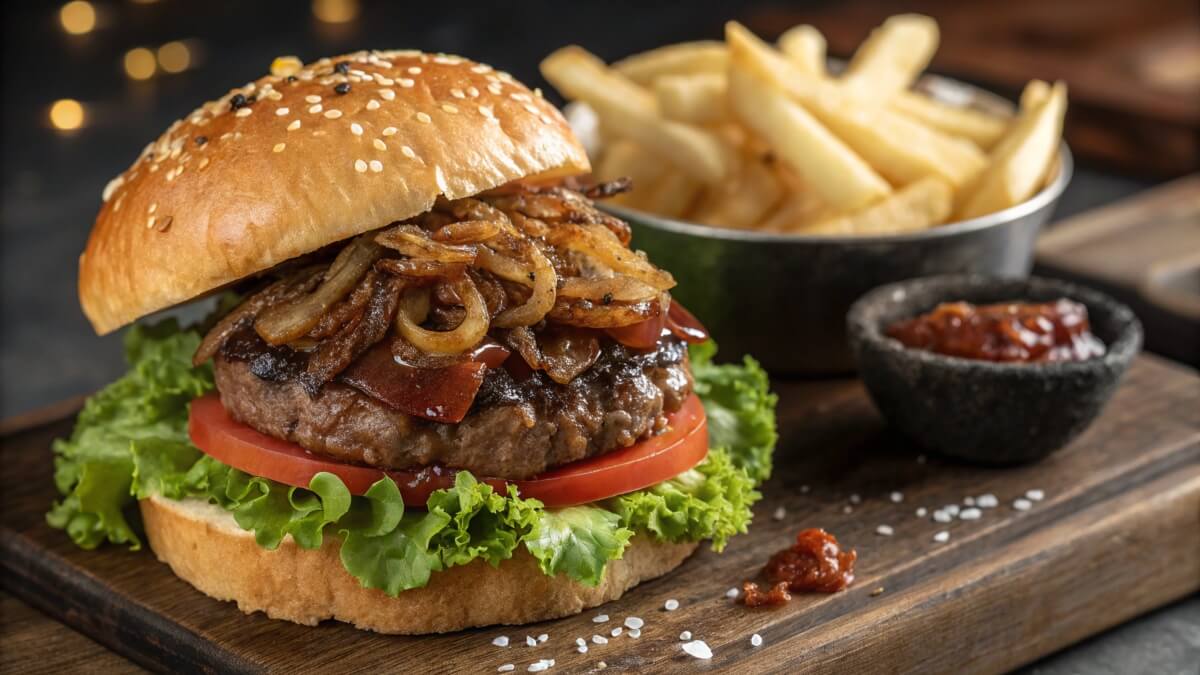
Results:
<point x="86" y="604"/>
<point x="68" y="407"/>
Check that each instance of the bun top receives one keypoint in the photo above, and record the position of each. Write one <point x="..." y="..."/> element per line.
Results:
<point x="305" y="157"/>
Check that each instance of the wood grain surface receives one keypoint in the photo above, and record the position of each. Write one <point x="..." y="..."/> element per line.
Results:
<point x="1117" y="534"/>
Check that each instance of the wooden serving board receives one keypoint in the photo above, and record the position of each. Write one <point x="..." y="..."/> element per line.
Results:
<point x="1117" y="534"/>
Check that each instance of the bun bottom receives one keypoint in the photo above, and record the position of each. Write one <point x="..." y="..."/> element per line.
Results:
<point x="204" y="546"/>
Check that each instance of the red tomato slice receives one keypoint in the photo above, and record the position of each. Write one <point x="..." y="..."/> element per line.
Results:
<point x="683" y="445"/>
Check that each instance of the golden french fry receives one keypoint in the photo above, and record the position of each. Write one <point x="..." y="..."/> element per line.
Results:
<point x="892" y="57"/>
<point x="695" y="99"/>
<point x="628" y="111"/>
<point x="1023" y="157"/>
<point x="1035" y="92"/>
<point x="979" y="127"/>
<point x="671" y="195"/>
<point x="742" y="201"/>
<point x="918" y="206"/>
<point x="624" y="158"/>
<point x="797" y="210"/>
<point x="805" y="46"/>
<point x="685" y="58"/>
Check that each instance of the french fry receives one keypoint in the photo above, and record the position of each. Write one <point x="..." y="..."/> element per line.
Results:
<point x="980" y="128"/>
<point x="898" y="148"/>
<point x="797" y="210"/>
<point x="685" y="58"/>
<point x="624" y="158"/>
<point x="743" y="201"/>
<point x="805" y="46"/>
<point x="918" y="206"/>
<point x="695" y="99"/>
<point x="1034" y="94"/>
<point x="671" y="195"/>
<point x="630" y="112"/>
<point x="892" y="57"/>
<point x="1023" y="157"/>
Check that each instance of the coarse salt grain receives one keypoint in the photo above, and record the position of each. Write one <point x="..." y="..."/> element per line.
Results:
<point x="855" y="498"/>
<point x="581" y="642"/>
<point x="970" y="514"/>
<point x="951" y="509"/>
<point x="582" y="649"/>
<point x="1022" y="504"/>
<point x="731" y="593"/>
<point x="942" y="517"/>
<point x="671" y="605"/>
<point x="987" y="501"/>
<point x="1035" y="495"/>
<point x="756" y="640"/>
<point x="685" y="635"/>
<point x="847" y="509"/>
<point x="885" y="530"/>
<point x="600" y="618"/>
<point x="698" y="649"/>
<point x="896" y="497"/>
<point x="506" y="668"/>
<point x="968" y="501"/>
<point x="922" y="512"/>
<point x="942" y="537"/>
<point x="530" y="641"/>
<point x="616" y="632"/>
<point x="634" y="622"/>
<point x="780" y="513"/>
<point x="543" y="637"/>
<point x="599" y="639"/>
<point x="539" y="666"/>
<point x="501" y="641"/>
<point x="634" y="633"/>
<point x="804" y="489"/>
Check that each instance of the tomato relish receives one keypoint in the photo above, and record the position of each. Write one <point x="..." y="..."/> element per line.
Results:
<point x="815" y="563"/>
<point x="1017" y="332"/>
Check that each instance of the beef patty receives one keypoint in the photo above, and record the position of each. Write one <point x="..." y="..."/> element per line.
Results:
<point x="515" y="429"/>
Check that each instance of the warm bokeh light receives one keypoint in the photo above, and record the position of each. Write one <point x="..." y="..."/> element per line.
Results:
<point x="77" y="17"/>
<point x="335" y="11"/>
<point x="139" y="63"/>
<point x="66" y="114"/>
<point x="174" y="57"/>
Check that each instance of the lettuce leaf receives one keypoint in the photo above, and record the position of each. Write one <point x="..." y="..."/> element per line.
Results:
<point x="130" y="442"/>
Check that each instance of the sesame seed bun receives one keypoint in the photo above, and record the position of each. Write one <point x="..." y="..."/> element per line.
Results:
<point x="205" y="547"/>
<point x="303" y="158"/>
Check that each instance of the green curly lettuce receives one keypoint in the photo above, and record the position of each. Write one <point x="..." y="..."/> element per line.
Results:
<point x="131" y="442"/>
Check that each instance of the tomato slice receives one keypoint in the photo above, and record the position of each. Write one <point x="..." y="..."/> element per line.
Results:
<point x="678" y="321"/>
<point x="683" y="445"/>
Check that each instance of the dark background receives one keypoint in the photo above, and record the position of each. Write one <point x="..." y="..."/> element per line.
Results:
<point x="52" y="179"/>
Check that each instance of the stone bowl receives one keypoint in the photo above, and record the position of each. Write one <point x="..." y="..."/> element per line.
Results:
<point x="981" y="411"/>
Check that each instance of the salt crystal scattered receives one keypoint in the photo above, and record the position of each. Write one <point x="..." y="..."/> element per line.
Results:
<point x="942" y="537"/>
<point x="539" y="666"/>
<point x="847" y="509"/>
<point x="599" y="639"/>
<point x="885" y="530"/>
<point x="970" y="514"/>
<point x="1022" y="504"/>
<point x="855" y="498"/>
<point x="634" y="622"/>
<point x="501" y="641"/>
<point x="543" y="637"/>
<point x="530" y="641"/>
<point x="942" y="517"/>
<point x="600" y="618"/>
<point x="951" y="509"/>
<point x="698" y="649"/>
<point x="1035" y="495"/>
<point x="897" y="497"/>
<point x="987" y="501"/>
<point x="780" y="513"/>
<point x="968" y="501"/>
<point x="756" y="640"/>
<point x="685" y="635"/>
<point x="582" y="649"/>
<point x="804" y="489"/>
<point x="506" y="668"/>
<point x="581" y="642"/>
<point x="634" y="633"/>
<point x="922" y="512"/>
<point x="731" y="593"/>
<point x="616" y="632"/>
<point x="671" y="605"/>
<point x="602" y="665"/>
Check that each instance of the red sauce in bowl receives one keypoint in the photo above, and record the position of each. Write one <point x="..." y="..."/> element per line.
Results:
<point x="1017" y="332"/>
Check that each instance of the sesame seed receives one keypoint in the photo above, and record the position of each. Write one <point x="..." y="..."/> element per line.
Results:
<point x="312" y="98"/>
<point x="387" y="94"/>
<point x="356" y="128"/>
<point x="896" y="497"/>
<point x="385" y="81"/>
<point x="279" y="147"/>
<point x="203" y="162"/>
<point x="685" y="635"/>
<point x="449" y="108"/>
<point x="506" y="668"/>
<point x="372" y="105"/>
<point x="885" y="530"/>
<point x="634" y="622"/>
<point x="1022" y="504"/>
<point x="922" y="511"/>
<point x="423" y="118"/>
<point x="501" y="641"/>
<point x="407" y="152"/>
<point x="342" y="67"/>
<point x="244" y="112"/>
<point x="333" y="114"/>
<point x="530" y="108"/>
<point x="152" y="208"/>
<point x="519" y="96"/>
<point x="294" y="125"/>
<point x="360" y="166"/>
<point x="281" y="111"/>
<point x="971" y="513"/>
<point x="698" y="649"/>
<point x="316" y="109"/>
<point x="988" y="501"/>
<point x="379" y="145"/>
<point x="414" y="70"/>
<point x="756" y="640"/>
<point x="150" y="222"/>
<point x="1035" y="495"/>
<point x="376" y="166"/>
<point x="486" y="111"/>
<point x="543" y="637"/>
<point x="530" y="641"/>
<point x="406" y="82"/>
<point x="671" y="605"/>
<point x="616" y="632"/>
<point x="599" y="639"/>
<point x="480" y="69"/>
<point x="780" y="513"/>
<point x="275" y="96"/>
<point x="545" y="119"/>
<point x="942" y="537"/>
<point x="494" y="88"/>
<point x="457" y="93"/>
<point x="731" y="593"/>
<point x="599" y="618"/>
<point x="473" y="92"/>
<point x="389" y="131"/>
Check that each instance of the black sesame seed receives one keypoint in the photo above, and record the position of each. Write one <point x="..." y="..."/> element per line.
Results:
<point x="237" y="101"/>
<point x="342" y="67"/>
<point x="343" y="88"/>
<point x="292" y="78"/>
<point x="201" y="140"/>
<point x="532" y="276"/>
<point x="607" y="299"/>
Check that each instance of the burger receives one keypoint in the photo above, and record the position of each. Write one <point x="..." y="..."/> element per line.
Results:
<point x="438" y="389"/>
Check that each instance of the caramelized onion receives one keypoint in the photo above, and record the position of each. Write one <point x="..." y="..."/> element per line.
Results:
<point x="413" y="268"/>
<point x="247" y="311"/>
<point x="468" y="232"/>
<point x="600" y="243"/>
<point x="618" y="288"/>
<point x="509" y="269"/>
<point x="467" y="334"/>
<point x="415" y="242"/>
<point x="293" y="319"/>
<point x="541" y="299"/>
<point x="588" y="314"/>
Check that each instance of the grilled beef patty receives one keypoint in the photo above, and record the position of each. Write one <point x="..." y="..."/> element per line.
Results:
<point x="515" y="429"/>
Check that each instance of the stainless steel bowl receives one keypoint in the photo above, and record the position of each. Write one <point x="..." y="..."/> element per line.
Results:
<point x="783" y="298"/>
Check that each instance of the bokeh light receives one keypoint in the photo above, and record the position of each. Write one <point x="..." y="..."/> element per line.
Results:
<point x="174" y="57"/>
<point x="67" y="114"/>
<point x="77" y="17"/>
<point x="335" y="11"/>
<point x="139" y="63"/>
